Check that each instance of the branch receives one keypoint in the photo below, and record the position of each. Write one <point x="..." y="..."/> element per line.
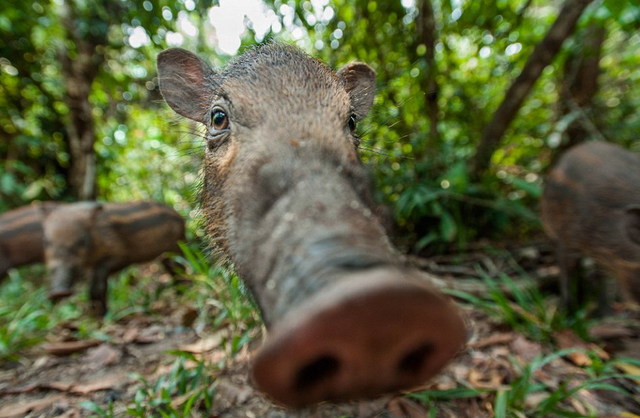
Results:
<point x="542" y="56"/>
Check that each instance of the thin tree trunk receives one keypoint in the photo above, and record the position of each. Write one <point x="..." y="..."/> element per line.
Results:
<point x="580" y="84"/>
<point x="427" y="36"/>
<point x="542" y="56"/>
<point x="79" y="73"/>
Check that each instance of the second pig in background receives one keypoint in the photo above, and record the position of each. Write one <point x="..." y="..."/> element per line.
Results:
<point x="591" y="205"/>
<point x="94" y="240"/>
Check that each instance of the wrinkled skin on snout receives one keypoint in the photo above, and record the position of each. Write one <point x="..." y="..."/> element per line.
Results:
<point x="288" y="200"/>
<point x="90" y="240"/>
<point x="591" y="205"/>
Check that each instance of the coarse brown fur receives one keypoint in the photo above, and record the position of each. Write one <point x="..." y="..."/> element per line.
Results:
<point x="98" y="239"/>
<point x="21" y="236"/>
<point x="591" y="204"/>
<point x="286" y="196"/>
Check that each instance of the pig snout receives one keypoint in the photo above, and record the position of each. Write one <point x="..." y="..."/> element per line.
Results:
<point x="373" y="332"/>
<point x="62" y="280"/>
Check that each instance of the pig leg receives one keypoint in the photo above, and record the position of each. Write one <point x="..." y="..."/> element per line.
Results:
<point x="571" y="289"/>
<point x="175" y="270"/>
<point x="604" y="300"/>
<point x="98" y="291"/>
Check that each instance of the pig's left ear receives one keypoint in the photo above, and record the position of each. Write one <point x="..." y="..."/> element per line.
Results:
<point x="46" y="208"/>
<point x="632" y="223"/>
<point x="360" y="82"/>
<point x="95" y="209"/>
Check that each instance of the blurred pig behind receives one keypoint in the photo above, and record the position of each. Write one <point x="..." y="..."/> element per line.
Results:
<point x="95" y="240"/>
<point x="21" y="236"/>
<point x="591" y="204"/>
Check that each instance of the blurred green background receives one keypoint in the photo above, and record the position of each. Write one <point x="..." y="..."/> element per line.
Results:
<point x="81" y="116"/>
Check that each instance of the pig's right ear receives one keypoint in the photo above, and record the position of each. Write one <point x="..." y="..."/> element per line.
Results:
<point x="632" y="223"/>
<point x="95" y="209"/>
<point x="185" y="83"/>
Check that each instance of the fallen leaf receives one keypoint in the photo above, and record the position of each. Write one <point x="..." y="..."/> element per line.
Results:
<point x="524" y="349"/>
<point x="405" y="408"/>
<point x="178" y="401"/>
<point x="101" y="356"/>
<point x="21" y="408"/>
<point x="204" y="345"/>
<point x="77" y="388"/>
<point x="69" y="347"/>
<point x="533" y="399"/>
<point x="61" y="386"/>
<point x="490" y="379"/>
<point x="98" y="385"/>
<point x="630" y="369"/>
<point x="232" y="392"/>
<point x="20" y="389"/>
<point x="151" y="334"/>
<point x="566" y="338"/>
<point x="372" y="408"/>
<point x="494" y="339"/>
<point x="130" y="335"/>
<point x="609" y="331"/>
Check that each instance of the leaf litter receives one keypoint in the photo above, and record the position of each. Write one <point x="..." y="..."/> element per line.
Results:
<point x="53" y="379"/>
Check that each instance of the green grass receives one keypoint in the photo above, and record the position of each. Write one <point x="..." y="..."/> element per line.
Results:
<point x="179" y="393"/>
<point x="219" y="296"/>
<point x="524" y="308"/>
<point x="26" y="315"/>
<point x="222" y="301"/>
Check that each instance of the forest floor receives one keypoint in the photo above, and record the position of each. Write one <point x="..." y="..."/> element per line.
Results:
<point x="164" y="362"/>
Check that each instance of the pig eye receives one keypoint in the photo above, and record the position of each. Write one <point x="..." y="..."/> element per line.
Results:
<point x="219" y="119"/>
<point x="352" y="123"/>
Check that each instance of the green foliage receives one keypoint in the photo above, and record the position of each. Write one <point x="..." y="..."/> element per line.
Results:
<point x="194" y="386"/>
<point x="522" y="306"/>
<point x="419" y="171"/>
<point x="26" y="315"/>
<point x="180" y="393"/>
<point x="227" y="303"/>
<point x="510" y="401"/>
<point x="24" y="320"/>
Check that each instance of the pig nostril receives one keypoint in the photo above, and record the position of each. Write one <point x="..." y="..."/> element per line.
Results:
<point x="322" y="368"/>
<point x="413" y="361"/>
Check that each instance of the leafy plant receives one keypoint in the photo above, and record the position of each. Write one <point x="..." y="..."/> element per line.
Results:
<point x="227" y="301"/>
<point x="523" y="307"/>
<point x="186" y="389"/>
<point x="24" y="316"/>
<point x="177" y="393"/>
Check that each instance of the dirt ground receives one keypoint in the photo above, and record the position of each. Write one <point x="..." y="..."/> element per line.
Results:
<point x="53" y="378"/>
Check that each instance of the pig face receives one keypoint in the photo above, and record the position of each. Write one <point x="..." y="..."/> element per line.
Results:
<point x="68" y="242"/>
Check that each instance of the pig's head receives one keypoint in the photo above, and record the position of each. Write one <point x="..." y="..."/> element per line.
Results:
<point x="272" y="119"/>
<point x="67" y="243"/>
<point x="287" y="198"/>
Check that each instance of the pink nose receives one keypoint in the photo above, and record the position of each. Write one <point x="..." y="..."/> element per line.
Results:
<point x="371" y="333"/>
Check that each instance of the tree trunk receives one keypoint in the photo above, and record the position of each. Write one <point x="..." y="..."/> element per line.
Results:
<point x="78" y="73"/>
<point x="580" y="84"/>
<point x="427" y="36"/>
<point x="542" y="56"/>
